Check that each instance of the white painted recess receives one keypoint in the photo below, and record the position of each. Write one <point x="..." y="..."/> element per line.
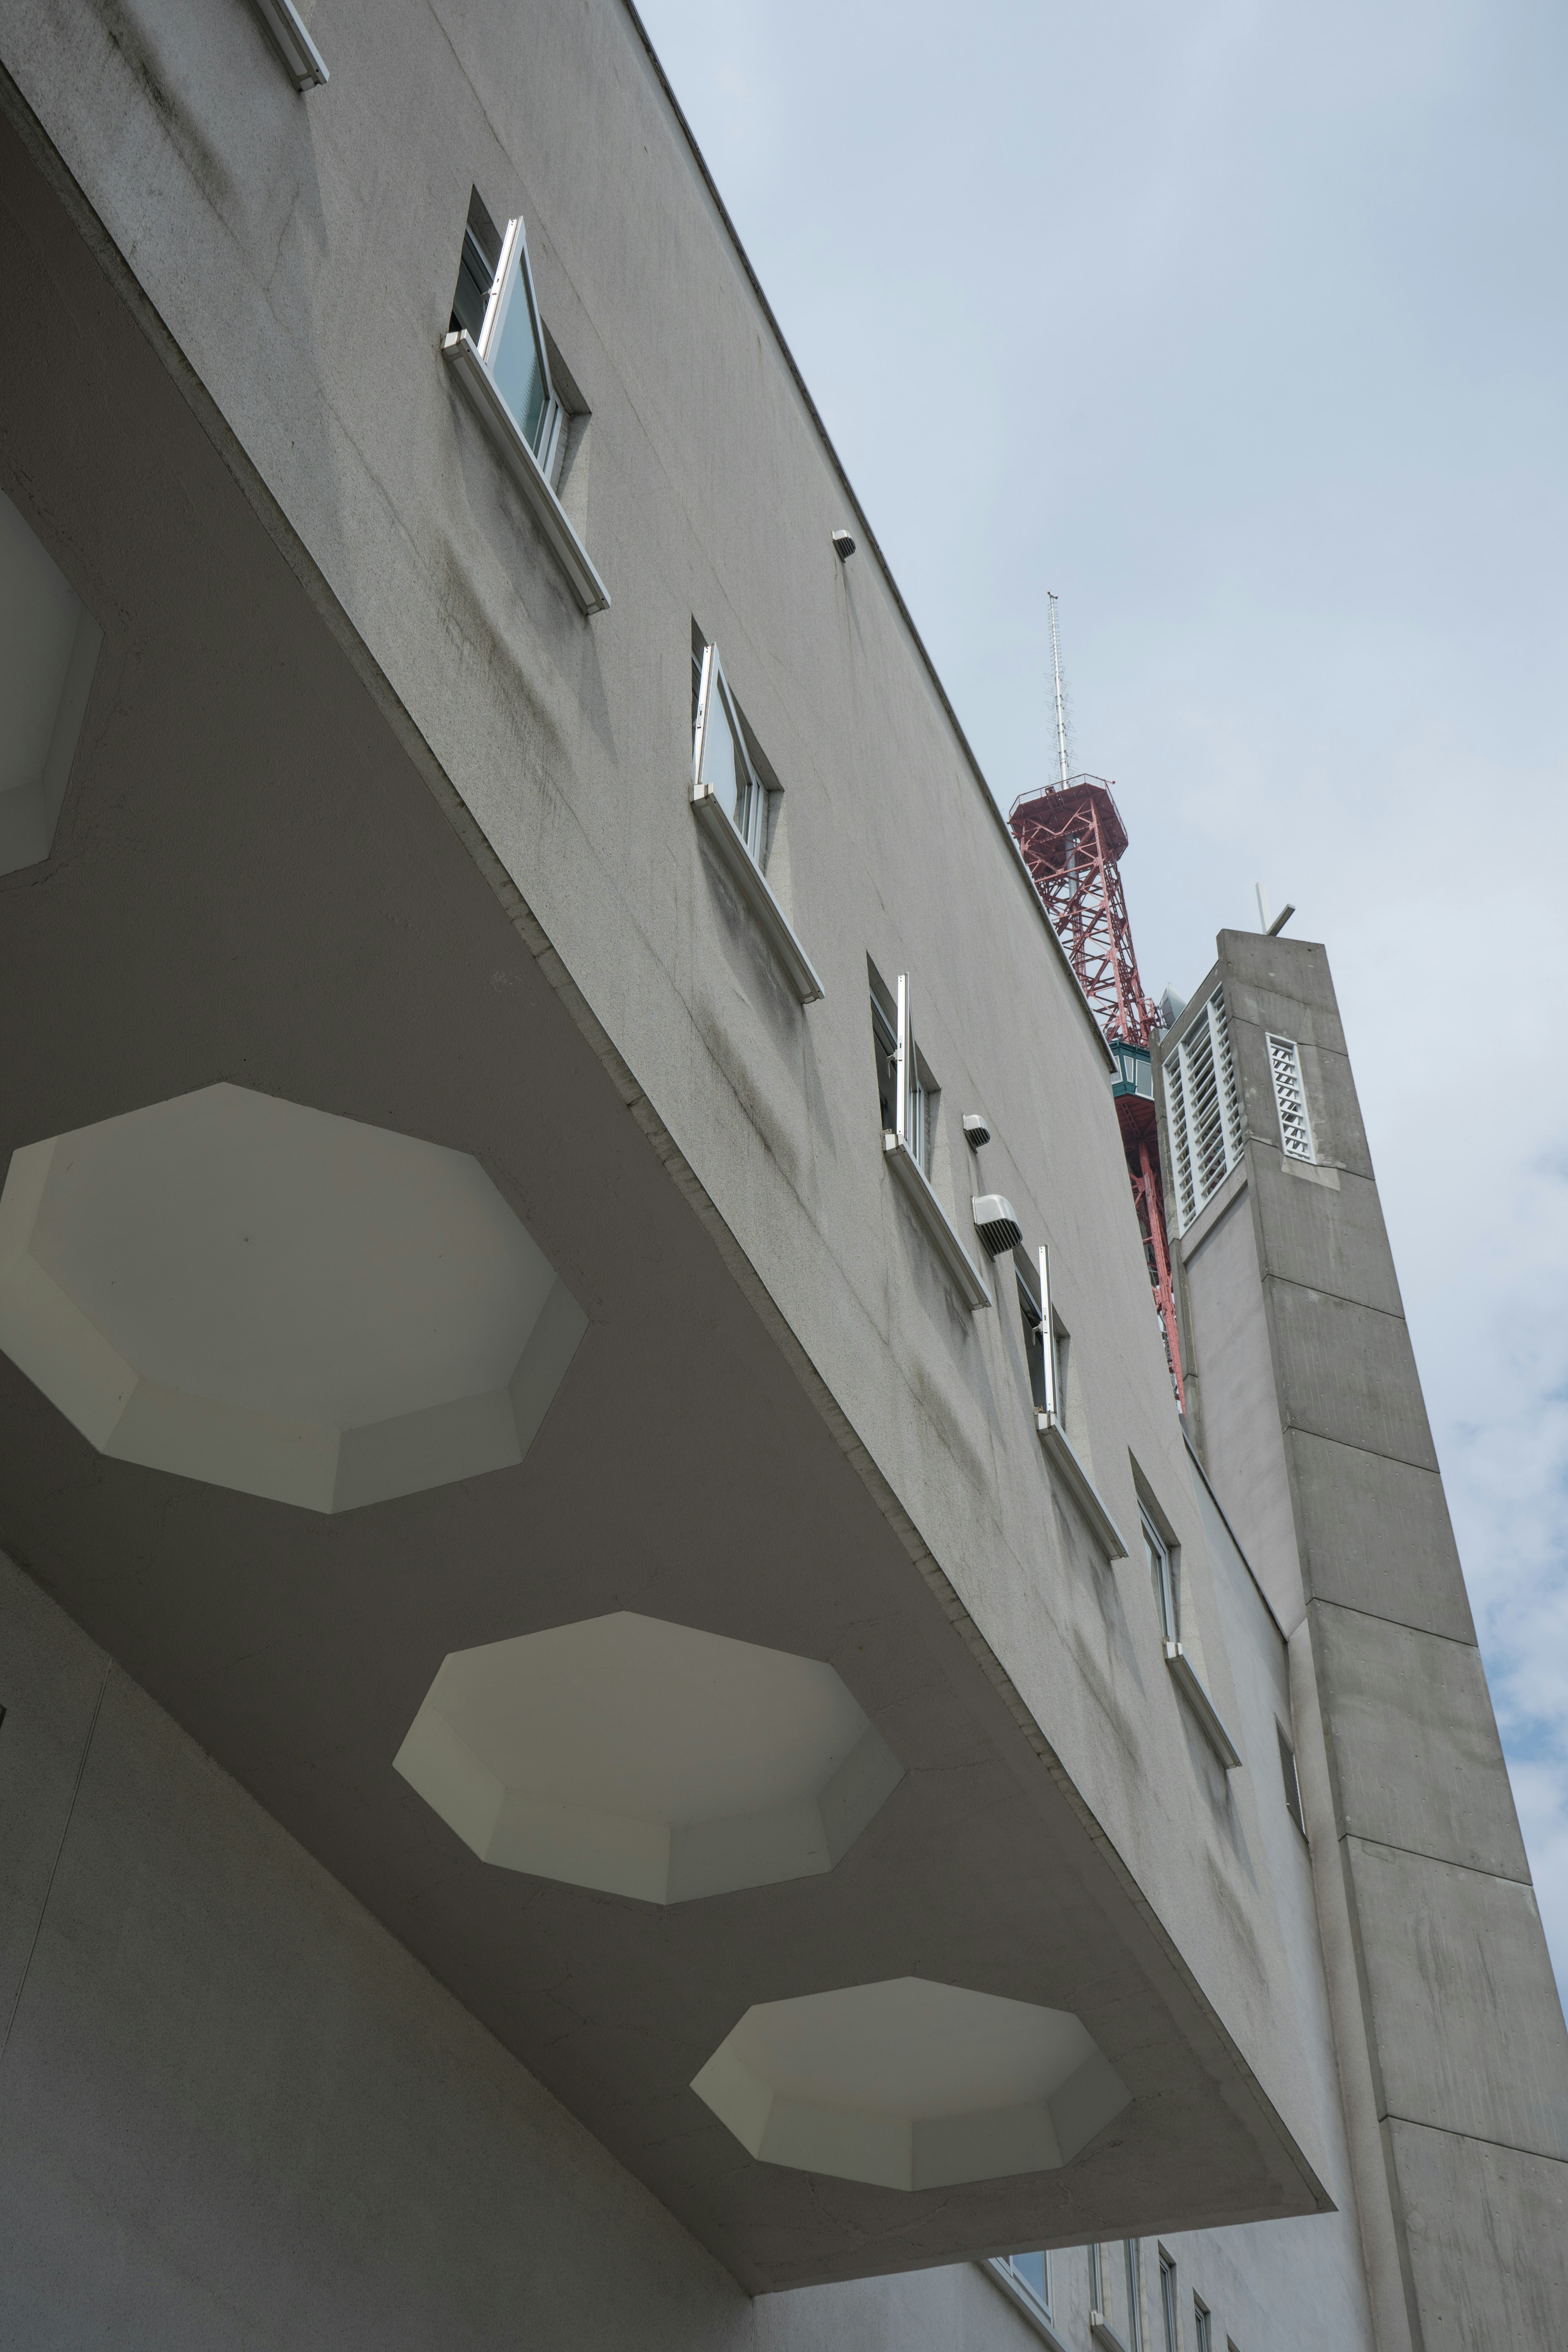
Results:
<point x="50" y="645"/>
<point x="910" y="2085"/>
<point x="272" y="1299"/>
<point x="646" y="1758"/>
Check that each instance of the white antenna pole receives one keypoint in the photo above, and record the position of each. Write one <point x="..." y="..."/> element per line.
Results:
<point x="1061" y="714"/>
<point x="1262" y="905"/>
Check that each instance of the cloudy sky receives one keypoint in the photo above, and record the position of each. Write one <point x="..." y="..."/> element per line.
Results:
<point x="1241" y="327"/>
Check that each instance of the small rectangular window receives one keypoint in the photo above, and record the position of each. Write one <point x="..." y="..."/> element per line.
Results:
<point x="1168" y="2301"/>
<point x="1032" y="2272"/>
<point x="722" y="763"/>
<point x="1162" y="1575"/>
<point x="1095" y="2282"/>
<point x="1135" y="2299"/>
<point x="905" y="1088"/>
<point x="500" y="355"/>
<point x="495" y="304"/>
<point x="1202" y="2325"/>
<point x="1291" y="1099"/>
<point x="1292" y="1783"/>
<point x="1034" y="1339"/>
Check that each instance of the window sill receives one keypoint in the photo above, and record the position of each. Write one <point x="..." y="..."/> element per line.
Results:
<point x="934" y="1218"/>
<point x="1077" y="1480"/>
<point x="1024" y="2302"/>
<point x="753" y="885"/>
<point x="478" y="384"/>
<point x="1100" y="2328"/>
<point x="1203" y="1707"/>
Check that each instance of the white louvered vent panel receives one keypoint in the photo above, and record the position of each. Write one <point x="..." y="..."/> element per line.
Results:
<point x="1290" y="1098"/>
<point x="1204" y="1110"/>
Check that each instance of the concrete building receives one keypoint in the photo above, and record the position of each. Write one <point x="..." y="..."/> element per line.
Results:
<point x="629" y="1714"/>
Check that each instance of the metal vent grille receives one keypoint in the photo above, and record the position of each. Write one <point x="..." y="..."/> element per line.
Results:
<point x="1290" y="1095"/>
<point x="1204" y="1108"/>
<point x="997" y="1223"/>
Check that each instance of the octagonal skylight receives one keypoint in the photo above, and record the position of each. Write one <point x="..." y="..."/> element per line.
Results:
<point x="279" y="1300"/>
<point x="646" y="1759"/>
<point x="910" y="2084"/>
<point x="48" y="650"/>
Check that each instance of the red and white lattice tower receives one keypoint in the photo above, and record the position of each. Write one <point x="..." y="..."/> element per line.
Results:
<point x="1072" y="838"/>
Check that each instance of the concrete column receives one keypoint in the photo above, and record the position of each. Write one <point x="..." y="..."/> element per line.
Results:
<point x="1312" y="1424"/>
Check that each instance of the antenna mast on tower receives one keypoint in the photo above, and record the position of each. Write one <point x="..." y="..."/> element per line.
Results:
<point x="1061" y="713"/>
<point x="1072" y="838"/>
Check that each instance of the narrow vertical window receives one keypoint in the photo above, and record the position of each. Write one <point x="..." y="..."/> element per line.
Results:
<point x="1168" y="2301"/>
<point x="1096" y="2285"/>
<point x="1135" y="2300"/>
<point x="1162" y="1575"/>
<point x="1291" y="1099"/>
<point x="904" y="1087"/>
<point x="1202" y="2325"/>
<point x="723" y="763"/>
<point x="1032" y="2272"/>
<point x="1292" y="1784"/>
<point x="1034" y="1340"/>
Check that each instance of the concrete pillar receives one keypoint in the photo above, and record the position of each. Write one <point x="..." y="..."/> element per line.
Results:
<point x="1308" y="1412"/>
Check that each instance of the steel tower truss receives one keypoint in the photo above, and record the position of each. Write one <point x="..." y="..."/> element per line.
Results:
<point x="1072" y="838"/>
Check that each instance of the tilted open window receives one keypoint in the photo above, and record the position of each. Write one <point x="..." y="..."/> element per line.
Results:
<point x="497" y="350"/>
<point x="906" y="1095"/>
<point x="1044" y="1340"/>
<point x="730" y="802"/>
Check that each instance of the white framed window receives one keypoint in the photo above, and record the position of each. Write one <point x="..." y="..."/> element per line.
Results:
<point x="1290" y="1098"/>
<point x="1134" y="2296"/>
<point x="1033" y="2273"/>
<point x="1202" y="2325"/>
<point x="1096" y="2283"/>
<point x="733" y="803"/>
<point x="1203" y="1111"/>
<point x="497" y="350"/>
<point x="722" y="763"/>
<point x="1163" y="1574"/>
<point x="496" y="305"/>
<point x="1042" y="1369"/>
<point x="905" y="1088"/>
<point x="1168" y="2301"/>
<point x="908" y="1095"/>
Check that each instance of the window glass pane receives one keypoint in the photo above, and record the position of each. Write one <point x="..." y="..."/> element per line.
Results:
<point x="517" y="361"/>
<point x="726" y="774"/>
<point x="1031" y="2269"/>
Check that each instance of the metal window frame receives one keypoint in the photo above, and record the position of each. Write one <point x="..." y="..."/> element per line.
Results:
<point x="1054" y="1439"/>
<point x="1168" y="2291"/>
<point x="1166" y="1589"/>
<point x="504" y="290"/>
<point x="998" y="2268"/>
<point x="529" y="470"/>
<point x="911" y="1176"/>
<point x="1202" y="2325"/>
<point x="291" y="39"/>
<point x="714" y="686"/>
<point x="1134" y="2294"/>
<point x="734" y="853"/>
